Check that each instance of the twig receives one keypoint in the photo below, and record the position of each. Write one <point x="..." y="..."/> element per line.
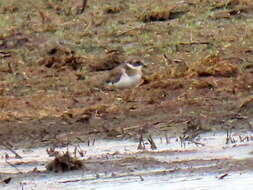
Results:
<point x="222" y="176"/>
<point x="197" y="143"/>
<point x="141" y="145"/>
<point x="249" y="125"/>
<point x="81" y="140"/>
<point x="152" y="143"/>
<point x="131" y="128"/>
<point x="194" y="43"/>
<point x="229" y="138"/>
<point x="13" y="166"/>
<point x="93" y="141"/>
<point x="83" y="6"/>
<point x="129" y="30"/>
<point x="167" y="138"/>
<point x="10" y="149"/>
<point x="4" y="54"/>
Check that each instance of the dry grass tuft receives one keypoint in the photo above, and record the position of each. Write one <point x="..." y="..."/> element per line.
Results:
<point x="61" y="58"/>
<point x="231" y="8"/>
<point x="163" y="14"/>
<point x="247" y="103"/>
<point x="14" y="40"/>
<point x="232" y="3"/>
<point x="174" y="70"/>
<point x="203" y="83"/>
<point x="170" y="84"/>
<point x="213" y="65"/>
<point x="105" y="61"/>
<point x="113" y="9"/>
<point x="63" y="163"/>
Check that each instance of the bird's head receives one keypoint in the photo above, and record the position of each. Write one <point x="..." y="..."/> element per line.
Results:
<point x="136" y="64"/>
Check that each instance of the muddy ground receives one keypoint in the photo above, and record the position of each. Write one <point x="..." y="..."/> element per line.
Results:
<point x="199" y="74"/>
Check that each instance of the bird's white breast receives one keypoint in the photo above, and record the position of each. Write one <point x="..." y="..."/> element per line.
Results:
<point x="127" y="81"/>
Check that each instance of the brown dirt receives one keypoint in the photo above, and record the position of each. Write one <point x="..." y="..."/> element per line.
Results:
<point x="198" y="53"/>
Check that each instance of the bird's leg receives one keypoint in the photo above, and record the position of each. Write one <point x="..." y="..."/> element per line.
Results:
<point x="132" y="93"/>
<point x="127" y="96"/>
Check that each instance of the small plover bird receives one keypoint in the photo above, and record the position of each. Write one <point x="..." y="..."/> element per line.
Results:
<point x="126" y="75"/>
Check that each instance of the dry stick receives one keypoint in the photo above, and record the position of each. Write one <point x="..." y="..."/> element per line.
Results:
<point x="5" y="54"/>
<point x="197" y="143"/>
<point x="10" y="68"/>
<point x="43" y="17"/>
<point x="167" y="138"/>
<point x="83" y="6"/>
<point x="152" y="143"/>
<point x="131" y="128"/>
<point x="93" y="142"/>
<point x="89" y="23"/>
<point x="141" y="145"/>
<point x="81" y="140"/>
<point x="10" y="149"/>
<point x="80" y="151"/>
<point x="117" y="176"/>
<point x="249" y="125"/>
<point x="129" y="30"/>
<point x="195" y="43"/>
<point x="13" y="167"/>
<point x="75" y="151"/>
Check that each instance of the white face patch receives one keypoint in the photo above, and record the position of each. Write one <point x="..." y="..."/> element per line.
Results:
<point x="134" y="67"/>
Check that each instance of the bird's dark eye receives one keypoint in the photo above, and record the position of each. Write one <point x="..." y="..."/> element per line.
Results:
<point x="137" y="63"/>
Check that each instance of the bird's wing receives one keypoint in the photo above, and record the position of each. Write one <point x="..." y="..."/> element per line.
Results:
<point x="115" y="76"/>
<point x="97" y="79"/>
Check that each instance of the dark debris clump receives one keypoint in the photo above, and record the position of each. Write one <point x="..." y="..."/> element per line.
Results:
<point x="64" y="162"/>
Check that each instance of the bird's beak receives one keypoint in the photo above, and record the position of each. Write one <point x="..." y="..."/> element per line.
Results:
<point x="145" y="65"/>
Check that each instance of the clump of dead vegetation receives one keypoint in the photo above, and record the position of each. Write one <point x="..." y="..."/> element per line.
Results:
<point x="142" y="144"/>
<point x="213" y="65"/>
<point x="106" y="61"/>
<point x="163" y="13"/>
<point x="233" y="4"/>
<point x="227" y="9"/>
<point x="66" y="8"/>
<point x="60" y="58"/>
<point x="172" y="76"/>
<point x="64" y="162"/>
<point x="170" y="84"/>
<point x="113" y="9"/>
<point x="86" y="113"/>
<point x="14" y="40"/>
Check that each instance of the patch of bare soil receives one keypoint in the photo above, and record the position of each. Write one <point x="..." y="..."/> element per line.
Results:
<point x="199" y="68"/>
